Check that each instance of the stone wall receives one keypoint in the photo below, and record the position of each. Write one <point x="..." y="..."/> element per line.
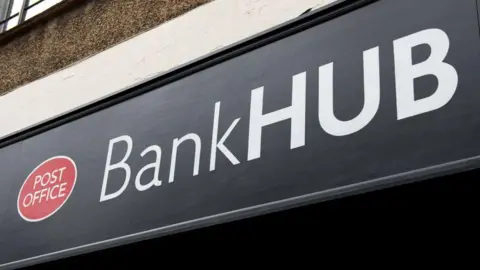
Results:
<point x="76" y="30"/>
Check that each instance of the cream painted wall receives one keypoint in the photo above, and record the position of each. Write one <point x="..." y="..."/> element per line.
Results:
<point x="209" y="27"/>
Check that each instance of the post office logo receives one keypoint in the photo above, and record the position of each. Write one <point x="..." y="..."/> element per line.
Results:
<point x="47" y="188"/>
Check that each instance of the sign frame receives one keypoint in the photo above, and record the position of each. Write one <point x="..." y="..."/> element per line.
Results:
<point x="286" y="29"/>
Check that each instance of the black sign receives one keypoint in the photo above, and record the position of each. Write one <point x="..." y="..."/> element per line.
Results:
<point x="386" y="93"/>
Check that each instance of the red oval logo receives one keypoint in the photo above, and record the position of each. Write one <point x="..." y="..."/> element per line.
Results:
<point x="47" y="188"/>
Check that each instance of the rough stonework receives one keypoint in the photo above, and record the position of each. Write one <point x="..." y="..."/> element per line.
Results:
<point x="78" y="32"/>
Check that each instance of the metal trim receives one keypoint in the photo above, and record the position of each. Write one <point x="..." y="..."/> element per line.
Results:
<point x="23" y="11"/>
<point x="5" y="17"/>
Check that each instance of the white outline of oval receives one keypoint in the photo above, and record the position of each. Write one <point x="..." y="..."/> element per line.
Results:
<point x="66" y="199"/>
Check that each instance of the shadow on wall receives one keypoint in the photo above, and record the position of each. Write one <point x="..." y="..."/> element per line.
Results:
<point x="81" y="29"/>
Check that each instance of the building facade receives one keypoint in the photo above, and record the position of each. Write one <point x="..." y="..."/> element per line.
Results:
<point x="139" y="40"/>
<point x="125" y="122"/>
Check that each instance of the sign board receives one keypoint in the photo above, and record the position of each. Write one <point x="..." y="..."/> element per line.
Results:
<point x="339" y="104"/>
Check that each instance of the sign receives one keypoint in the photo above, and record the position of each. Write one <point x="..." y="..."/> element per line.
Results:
<point x="353" y="103"/>
<point x="46" y="189"/>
